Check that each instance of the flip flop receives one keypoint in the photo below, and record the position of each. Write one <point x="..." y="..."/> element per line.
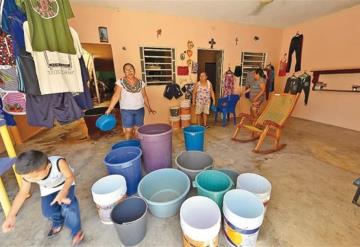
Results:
<point x="53" y="231"/>
<point x="78" y="238"/>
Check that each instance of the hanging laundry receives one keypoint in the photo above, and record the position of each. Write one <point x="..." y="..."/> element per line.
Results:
<point x="293" y="85"/>
<point x="295" y="46"/>
<point x="8" y="78"/>
<point x="84" y="99"/>
<point x="7" y="7"/>
<point x="188" y="89"/>
<point x="6" y="50"/>
<point x="9" y="119"/>
<point x="305" y="85"/>
<point x="57" y="72"/>
<point x="43" y="110"/>
<point x="48" y="26"/>
<point x="27" y="74"/>
<point x="15" y="22"/>
<point x="229" y="83"/>
<point x="270" y="79"/>
<point x="172" y="90"/>
<point x="238" y="71"/>
<point x="283" y="66"/>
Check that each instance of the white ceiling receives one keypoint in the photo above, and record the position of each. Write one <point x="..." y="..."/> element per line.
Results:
<point x="279" y="13"/>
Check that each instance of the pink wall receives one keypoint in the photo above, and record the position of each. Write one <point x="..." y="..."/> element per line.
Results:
<point x="330" y="42"/>
<point x="133" y="29"/>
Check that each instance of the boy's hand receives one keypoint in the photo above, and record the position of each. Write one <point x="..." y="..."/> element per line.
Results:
<point x="9" y="224"/>
<point x="61" y="199"/>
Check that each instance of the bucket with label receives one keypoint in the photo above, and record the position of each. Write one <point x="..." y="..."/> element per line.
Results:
<point x="185" y="120"/>
<point x="174" y="111"/>
<point x="175" y="122"/>
<point x="256" y="184"/>
<point x="107" y="192"/>
<point x="243" y="216"/>
<point x="200" y="220"/>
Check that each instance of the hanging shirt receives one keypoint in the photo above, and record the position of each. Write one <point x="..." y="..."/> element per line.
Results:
<point x="228" y="83"/>
<point x="48" y="26"/>
<point x="188" y="89"/>
<point x="15" y="22"/>
<point x="7" y="7"/>
<point x="282" y="67"/>
<point x="57" y="72"/>
<point x="6" y="50"/>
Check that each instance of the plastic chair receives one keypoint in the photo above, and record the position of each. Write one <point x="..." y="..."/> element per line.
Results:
<point x="226" y="106"/>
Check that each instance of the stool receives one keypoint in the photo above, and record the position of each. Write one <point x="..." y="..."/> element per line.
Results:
<point x="357" y="193"/>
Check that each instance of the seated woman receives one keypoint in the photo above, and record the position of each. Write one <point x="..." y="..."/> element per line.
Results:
<point x="130" y="91"/>
<point x="256" y="86"/>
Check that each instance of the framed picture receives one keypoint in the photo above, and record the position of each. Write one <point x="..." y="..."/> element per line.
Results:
<point x="103" y="34"/>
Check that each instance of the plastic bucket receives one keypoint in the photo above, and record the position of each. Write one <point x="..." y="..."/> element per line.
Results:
<point x="256" y="184"/>
<point x="175" y="122"/>
<point x="200" y="220"/>
<point x="90" y="118"/>
<point x="213" y="184"/>
<point x="231" y="173"/>
<point x="185" y="111"/>
<point x="130" y="220"/>
<point x="194" y="137"/>
<point x="107" y="192"/>
<point x="193" y="162"/>
<point x="125" y="161"/>
<point x="164" y="190"/>
<point x="126" y="143"/>
<point x="185" y="104"/>
<point x="185" y="120"/>
<point x="156" y="144"/>
<point x="174" y="111"/>
<point x="243" y="216"/>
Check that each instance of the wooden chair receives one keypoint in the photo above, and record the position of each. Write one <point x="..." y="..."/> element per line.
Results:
<point x="269" y="123"/>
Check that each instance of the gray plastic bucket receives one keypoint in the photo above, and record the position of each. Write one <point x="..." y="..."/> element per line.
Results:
<point x="193" y="162"/>
<point x="130" y="219"/>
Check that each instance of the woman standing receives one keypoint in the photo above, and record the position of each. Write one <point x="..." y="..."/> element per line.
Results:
<point x="130" y="91"/>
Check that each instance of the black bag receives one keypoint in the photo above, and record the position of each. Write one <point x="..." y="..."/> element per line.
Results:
<point x="28" y="73"/>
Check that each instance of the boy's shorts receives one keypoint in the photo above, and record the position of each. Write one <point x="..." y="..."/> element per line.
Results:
<point x="202" y="108"/>
<point x="132" y="118"/>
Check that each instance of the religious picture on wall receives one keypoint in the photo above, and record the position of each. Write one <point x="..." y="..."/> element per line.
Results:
<point x="103" y="34"/>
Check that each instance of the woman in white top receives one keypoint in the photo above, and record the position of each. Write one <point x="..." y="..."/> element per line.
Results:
<point x="130" y="92"/>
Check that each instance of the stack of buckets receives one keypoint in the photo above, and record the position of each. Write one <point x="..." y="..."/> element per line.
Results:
<point x="175" y="117"/>
<point x="185" y="113"/>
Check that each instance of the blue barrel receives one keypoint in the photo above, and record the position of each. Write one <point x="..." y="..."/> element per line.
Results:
<point x="194" y="138"/>
<point x="126" y="143"/>
<point x="125" y="161"/>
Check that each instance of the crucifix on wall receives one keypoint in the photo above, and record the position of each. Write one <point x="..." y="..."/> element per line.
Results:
<point x="212" y="43"/>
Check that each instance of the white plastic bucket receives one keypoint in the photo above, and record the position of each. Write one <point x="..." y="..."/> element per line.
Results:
<point x="200" y="220"/>
<point x="243" y="216"/>
<point x="185" y="104"/>
<point x="107" y="192"/>
<point x="256" y="184"/>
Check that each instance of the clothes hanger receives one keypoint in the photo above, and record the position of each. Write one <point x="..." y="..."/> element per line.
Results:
<point x="229" y="71"/>
<point x="297" y="34"/>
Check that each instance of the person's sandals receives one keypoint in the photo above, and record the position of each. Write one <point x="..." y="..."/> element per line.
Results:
<point x="54" y="230"/>
<point x="78" y="238"/>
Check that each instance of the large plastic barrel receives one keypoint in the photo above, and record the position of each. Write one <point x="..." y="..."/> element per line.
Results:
<point x="194" y="137"/>
<point x="156" y="144"/>
<point x="125" y="161"/>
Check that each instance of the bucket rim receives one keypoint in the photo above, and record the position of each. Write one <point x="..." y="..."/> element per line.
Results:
<point x="194" y="125"/>
<point x="180" y="197"/>
<point x="231" y="183"/>
<point x="193" y="151"/>
<point x="141" y="135"/>
<point x="92" y="115"/>
<point x="117" y="149"/>
<point x="131" y="222"/>
<point x="258" y="176"/>
<point x="130" y="140"/>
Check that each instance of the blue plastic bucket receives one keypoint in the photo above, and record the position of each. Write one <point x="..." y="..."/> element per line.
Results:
<point x="126" y="143"/>
<point x="194" y="138"/>
<point x="125" y="161"/>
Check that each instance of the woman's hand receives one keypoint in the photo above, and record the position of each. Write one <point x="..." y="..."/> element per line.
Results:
<point x="151" y="111"/>
<point x="108" y="111"/>
<point x="9" y="224"/>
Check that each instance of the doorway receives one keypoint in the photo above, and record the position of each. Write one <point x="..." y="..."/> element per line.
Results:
<point x="211" y="61"/>
<point x="99" y="61"/>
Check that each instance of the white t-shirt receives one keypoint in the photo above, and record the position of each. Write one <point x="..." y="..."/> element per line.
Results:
<point x="131" y="98"/>
<point x="57" y="72"/>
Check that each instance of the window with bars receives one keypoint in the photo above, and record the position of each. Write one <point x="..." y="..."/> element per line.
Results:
<point x="157" y="65"/>
<point x="251" y="61"/>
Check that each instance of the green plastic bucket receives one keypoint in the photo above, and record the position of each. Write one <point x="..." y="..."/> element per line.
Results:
<point x="213" y="184"/>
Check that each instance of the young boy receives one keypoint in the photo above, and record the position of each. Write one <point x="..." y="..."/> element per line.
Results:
<point x="58" y="202"/>
<point x="202" y="94"/>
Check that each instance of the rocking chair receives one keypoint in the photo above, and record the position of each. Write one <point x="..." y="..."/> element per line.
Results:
<point x="269" y="123"/>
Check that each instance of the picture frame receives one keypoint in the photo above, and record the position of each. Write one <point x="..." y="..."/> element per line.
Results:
<point x="103" y="35"/>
